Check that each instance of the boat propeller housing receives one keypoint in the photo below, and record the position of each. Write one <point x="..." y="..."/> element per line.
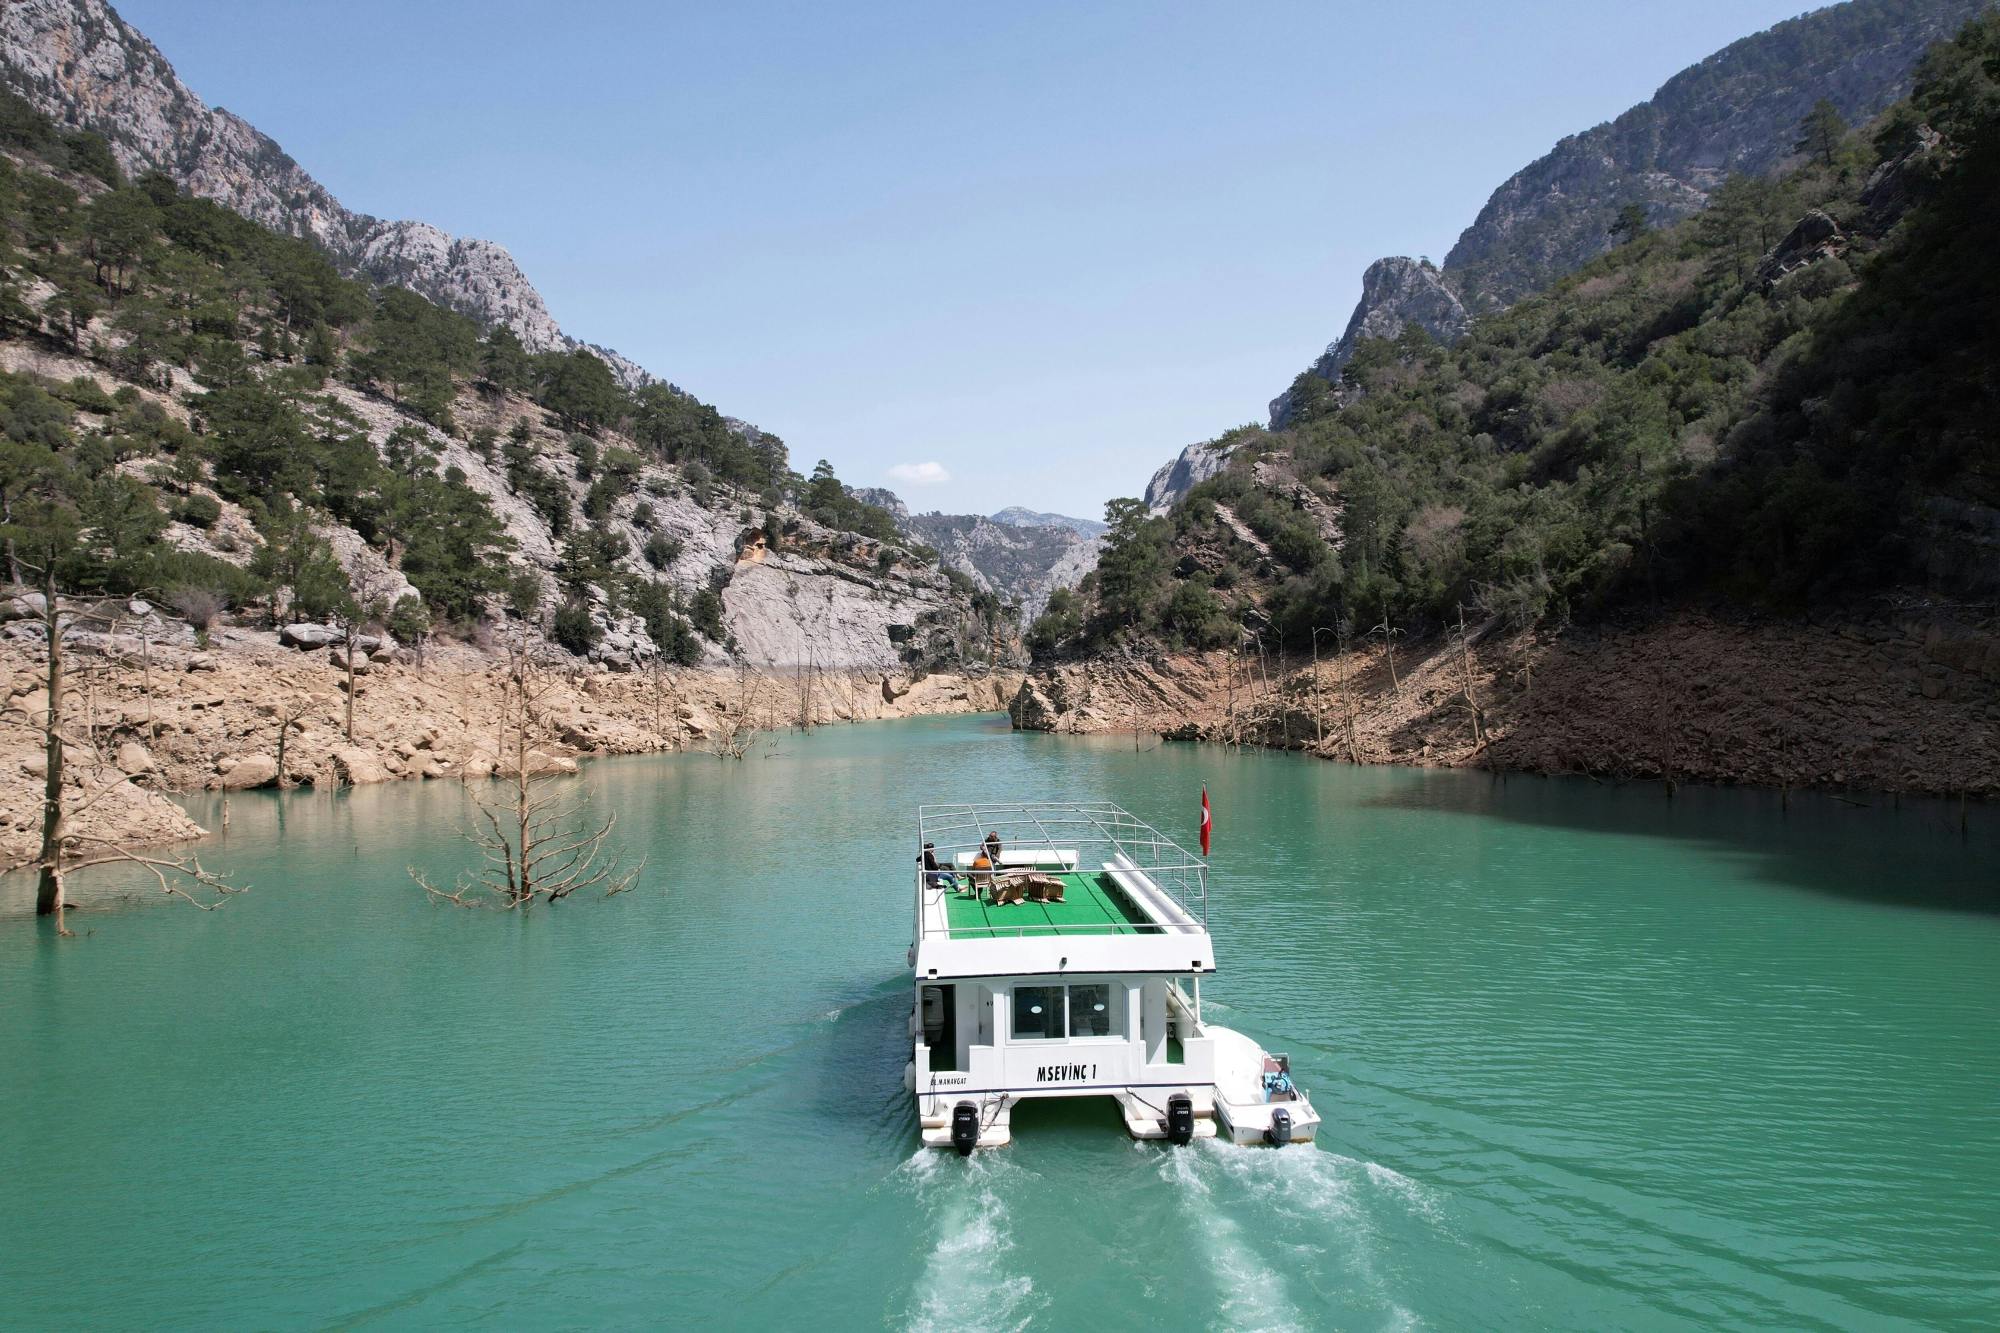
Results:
<point x="965" y="1128"/>
<point x="1180" y="1118"/>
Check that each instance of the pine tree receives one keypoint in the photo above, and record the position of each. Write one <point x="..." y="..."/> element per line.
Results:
<point x="1821" y="133"/>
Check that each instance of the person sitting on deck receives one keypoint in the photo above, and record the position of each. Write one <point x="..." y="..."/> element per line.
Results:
<point x="985" y="863"/>
<point x="935" y="875"/>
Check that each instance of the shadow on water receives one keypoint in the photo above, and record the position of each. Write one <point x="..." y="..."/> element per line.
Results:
<point x="856" y="1056"/>
<point x="1893" y="851"/>
<point x="1067" y="1120"/>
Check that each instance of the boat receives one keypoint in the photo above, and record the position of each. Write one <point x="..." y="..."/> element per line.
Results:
<point x="1059" y="951"/>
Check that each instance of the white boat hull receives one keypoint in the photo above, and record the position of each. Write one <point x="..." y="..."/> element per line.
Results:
<point x="1247" y="1112"/>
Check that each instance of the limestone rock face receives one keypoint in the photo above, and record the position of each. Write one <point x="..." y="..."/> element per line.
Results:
<point x="1814" y="237"/>
<point x="78" y="61"/>
<point x="1395" y="292"/>
<point x="1031" y="708"/>
<point x="1192" y="466"/>
<point x="1737" y="111"/>
<point x="1019" y="562"/>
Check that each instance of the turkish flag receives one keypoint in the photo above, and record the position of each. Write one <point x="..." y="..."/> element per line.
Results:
<point x="1204" y="819"/>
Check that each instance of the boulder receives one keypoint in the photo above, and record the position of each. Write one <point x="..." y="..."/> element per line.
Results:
<point x="355" y="766"/>
<point x="240" y="772"/>
<point x="202" y="662"/>
<point x="1031" y="709"/>
<point x="307" y="637"/>
<point x="23" y="606"/>
<point x="539" y="763"/>
<point x="133" y="759"/>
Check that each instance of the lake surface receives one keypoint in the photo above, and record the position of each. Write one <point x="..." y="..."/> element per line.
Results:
<point x="1589" y="1059"/>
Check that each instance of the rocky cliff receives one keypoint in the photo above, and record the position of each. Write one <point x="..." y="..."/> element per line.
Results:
<point x="1019" y="562"/>
<point x="1191" y="467"/>
<point x="253" y="710"/>
<point x="1014" y="516"/>
<point x="82" y="64"/>
<point x="1901" y="700"/>
<point x="1394" y="292"/>
<point x="1738" y="111"/>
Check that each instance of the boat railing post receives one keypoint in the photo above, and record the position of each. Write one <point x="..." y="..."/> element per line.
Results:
<point x="1197" y="1000"/>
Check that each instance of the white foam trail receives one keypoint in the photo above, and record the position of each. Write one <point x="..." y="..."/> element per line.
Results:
<point x="1417" y="1196"/>
<point x="1328" y="1188"/>
<point x="1253" y="1296"/>
<point x="965" y="1283"/>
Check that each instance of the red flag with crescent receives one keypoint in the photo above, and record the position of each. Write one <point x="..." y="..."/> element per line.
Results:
<point x="1204" y="819"/>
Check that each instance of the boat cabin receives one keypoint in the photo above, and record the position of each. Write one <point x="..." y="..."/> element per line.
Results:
<point x="1058" y="952"/>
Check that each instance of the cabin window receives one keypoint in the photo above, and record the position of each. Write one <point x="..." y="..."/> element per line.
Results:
<point x="1092" y="1012"/>
<point x="1038" y="1012"/>
<point x="1051" y="1013"/>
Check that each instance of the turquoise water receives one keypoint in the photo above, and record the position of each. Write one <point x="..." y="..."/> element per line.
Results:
<point x="1588" y="1058"/>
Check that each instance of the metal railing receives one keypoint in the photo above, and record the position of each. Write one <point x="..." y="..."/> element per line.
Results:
<point x="1099" y="832"/>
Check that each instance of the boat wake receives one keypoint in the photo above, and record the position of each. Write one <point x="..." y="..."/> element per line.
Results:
<point x="966" y="1282"/>
<point x="1266" y="1216"/>
<point x="1252" y="1293"/>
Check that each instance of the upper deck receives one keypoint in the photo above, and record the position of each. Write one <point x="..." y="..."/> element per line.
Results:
<point x="1132" y="899"/>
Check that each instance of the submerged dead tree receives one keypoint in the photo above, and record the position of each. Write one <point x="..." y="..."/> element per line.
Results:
<point x="65" y="849"/>
<point x="537" y="837"/>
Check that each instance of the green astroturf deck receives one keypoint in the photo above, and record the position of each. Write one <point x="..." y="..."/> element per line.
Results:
<point x="1091" y="903"/>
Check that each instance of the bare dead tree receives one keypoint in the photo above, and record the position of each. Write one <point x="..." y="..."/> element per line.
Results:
<point x="1465" y="662"/>
<point x="1388" y="634"/>
<point x="537" y="842"/>
<point x="1343" y="630"/>
<point x="64" y="849"/>
<point x="366" y="608"/>
<point x="737" y="733"/>
<point x="288" y="719"/>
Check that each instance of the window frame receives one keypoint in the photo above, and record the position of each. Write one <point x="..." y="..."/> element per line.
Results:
<point x="1115" y="1007"/>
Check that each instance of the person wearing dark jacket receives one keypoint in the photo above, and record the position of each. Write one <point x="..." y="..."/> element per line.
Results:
<point x="935" y="875"/>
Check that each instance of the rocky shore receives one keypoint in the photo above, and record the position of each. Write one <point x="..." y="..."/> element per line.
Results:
<point x="171" y="718"/>
<point x="1904" y="700"/>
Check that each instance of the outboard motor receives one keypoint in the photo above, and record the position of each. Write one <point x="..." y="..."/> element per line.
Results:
<point x="965" y="1128"/>
<point x="1180" y="1118"/>
<point x="1280" y="1132"/>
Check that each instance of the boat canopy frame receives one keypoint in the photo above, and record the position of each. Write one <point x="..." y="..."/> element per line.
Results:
<point x="1098" y="832"/>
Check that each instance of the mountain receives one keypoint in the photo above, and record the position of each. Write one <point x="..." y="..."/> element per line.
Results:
<point x="1781" y="404"/>
<point x="1189" y="468"/>
<point x="1014" y="516"/>
<point x="1736" y="112"/>
<point x="1018" y="556"/>
<point x="1019" y="564"/>
<point x="204" y="409"/>
<point x="83" y="65"/>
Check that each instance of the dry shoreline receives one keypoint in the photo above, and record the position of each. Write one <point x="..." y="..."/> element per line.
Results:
<point x="1903" y="702"/>
<point x="175" y="719"/>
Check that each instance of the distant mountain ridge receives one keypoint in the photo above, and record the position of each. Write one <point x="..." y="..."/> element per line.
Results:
<point x="1014" y="516"/>
<point x="1737" y="111"/>
<point x="1019" y="555"/>
<point x="83" y="65"/>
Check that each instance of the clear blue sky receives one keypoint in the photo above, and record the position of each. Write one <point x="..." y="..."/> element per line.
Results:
<point x="1041" y="246"/>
